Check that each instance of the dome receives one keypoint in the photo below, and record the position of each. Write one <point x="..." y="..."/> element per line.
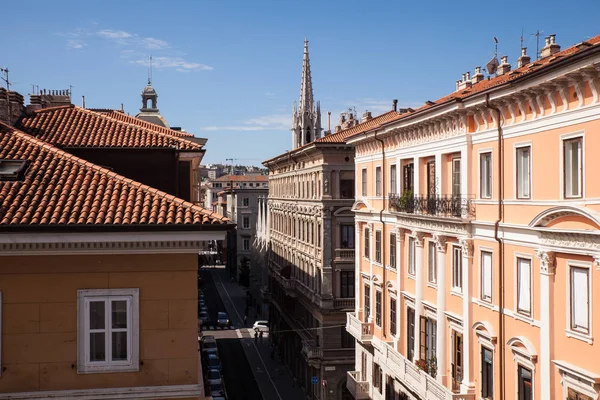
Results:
<point x="149" y="91"/>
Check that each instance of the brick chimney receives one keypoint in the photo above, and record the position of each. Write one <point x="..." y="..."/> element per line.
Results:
<point x="11" y="106"/>
<point x="478" y="76"/>
<point x="366" y="116"/>
<point x="550" y="48"/>
<point x="50" y="98"/>
<point x="504" y="66"/>
<point x="524" y="59"/>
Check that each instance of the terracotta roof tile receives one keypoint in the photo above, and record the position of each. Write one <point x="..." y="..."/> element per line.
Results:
<point x="72" y="126"/>
<point x="340" y="137"/>
<point x="61" y="189"/>
<point x="120" y="116"/>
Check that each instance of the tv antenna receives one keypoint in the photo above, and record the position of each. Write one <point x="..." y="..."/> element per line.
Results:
<point x="150" y="72"/>
<point x="537" y="43"/>
<point x="5" y="77"/>
<point x="35" y="89"/>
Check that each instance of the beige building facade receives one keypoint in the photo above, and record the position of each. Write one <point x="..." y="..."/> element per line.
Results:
<point x="477" y="224"/>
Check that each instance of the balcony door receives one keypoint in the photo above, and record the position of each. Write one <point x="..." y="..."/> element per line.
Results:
<point x="455" y="177"/>
<point x="457" y="360"/>
<point x="408" y="177"/>
<point x="431" y="187"/>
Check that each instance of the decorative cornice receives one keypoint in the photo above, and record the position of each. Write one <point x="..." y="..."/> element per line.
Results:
<point x="467" y="247"/>
<point x="440" y="242"/>
<point x="547" y="261"/>
<point x="578" y="241"/>
<point x="418" y="235"/>
<point x="146" y="247"/>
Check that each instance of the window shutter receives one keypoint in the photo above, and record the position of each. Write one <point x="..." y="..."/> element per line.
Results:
<point x="580" y="297"/>
<point x="524" y="293"/>
<point x="423" y="338"/>
<point x="486" y="259"/>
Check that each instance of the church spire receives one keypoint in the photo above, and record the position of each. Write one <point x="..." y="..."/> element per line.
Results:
<point x="306" y="119"/>
<point x="306" y="90"/>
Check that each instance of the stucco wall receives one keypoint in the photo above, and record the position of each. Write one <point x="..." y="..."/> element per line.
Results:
<point x="39" y="319"/>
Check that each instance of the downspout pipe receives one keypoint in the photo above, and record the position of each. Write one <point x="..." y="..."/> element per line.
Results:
<point x="383" y="240"/>
<point x="500" y="142"/>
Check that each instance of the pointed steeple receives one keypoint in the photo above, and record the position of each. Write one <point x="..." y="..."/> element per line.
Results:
<point x="306" y="90"/>
<point x="306" y="119"/>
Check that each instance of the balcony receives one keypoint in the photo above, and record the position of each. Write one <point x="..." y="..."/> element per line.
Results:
<point x="311" y="351"/>
<point x="446" y="206"/>
<point x="357" y="388"/>
<point x="344" y="255"/>
<point x="418" y="380"/>
<point x="343" y="304"/>
<point x="362" y="331"/>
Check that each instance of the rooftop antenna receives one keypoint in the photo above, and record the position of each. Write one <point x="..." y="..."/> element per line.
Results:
<point x="537" y="43"/>
<point x="5" y="77"/>
<point x="521" y="39"/>
<point x="150" y="72"/>
<point x="35" y="89"/>
<point x="70" y="91"/>
<point x="496" y="50"/>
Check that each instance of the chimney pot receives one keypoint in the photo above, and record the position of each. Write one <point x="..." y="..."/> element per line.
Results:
<point x="504" y="66"/>
<point x="395" y="104"/>
<point x="524" y="59"/>
<point x="550" y="48"/>
<point x="552" y="38"/>
<point x="547" y="40"/>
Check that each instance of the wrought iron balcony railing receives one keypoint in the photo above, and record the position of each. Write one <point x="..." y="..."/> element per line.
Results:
<point x="436" y="205"/>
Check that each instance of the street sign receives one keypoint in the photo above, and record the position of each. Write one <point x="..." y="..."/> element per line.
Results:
<point x="315" y="380"/>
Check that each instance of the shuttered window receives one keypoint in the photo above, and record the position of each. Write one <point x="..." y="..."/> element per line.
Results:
<point x="524" y="286"/>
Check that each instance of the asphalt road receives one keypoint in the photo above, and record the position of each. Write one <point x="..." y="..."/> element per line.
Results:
<point x="237" y="373"/>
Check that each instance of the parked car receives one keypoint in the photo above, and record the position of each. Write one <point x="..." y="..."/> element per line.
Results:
<point x="222" y="320"/>
<point x="213" y="376"/>
<point x="213" y="362"/>
<point x="203" y="317"/>
<point x="261" y="326"/>
<point x="216" y="389"/>
<point x="208" y="342"/>
<point x="209" y="350"/>
<point x="202" y="308"/>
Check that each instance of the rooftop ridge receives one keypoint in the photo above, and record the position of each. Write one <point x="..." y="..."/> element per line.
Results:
<point x="122" y="117"/>
<point x="61" y="154"/>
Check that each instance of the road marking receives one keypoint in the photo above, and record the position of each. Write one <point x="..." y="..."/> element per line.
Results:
<point x="255" y="348"/>
<point x="239" y="334"/>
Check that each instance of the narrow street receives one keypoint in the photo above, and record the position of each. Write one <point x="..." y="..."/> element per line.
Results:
<point x="249" y="371"/>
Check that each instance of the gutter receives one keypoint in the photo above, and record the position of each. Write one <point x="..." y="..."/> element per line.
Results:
<point x="500" y="141"/>
<point x="383" y="302"/>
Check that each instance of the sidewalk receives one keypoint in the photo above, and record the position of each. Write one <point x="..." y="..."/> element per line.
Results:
<point x="271" y="376"/>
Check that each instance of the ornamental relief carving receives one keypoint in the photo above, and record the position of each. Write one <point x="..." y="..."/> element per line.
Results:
<point x="571" y="240"/>
<point x="547" y="261"/>
<point x="433" y="226"/>
<point x="467" y="247"/>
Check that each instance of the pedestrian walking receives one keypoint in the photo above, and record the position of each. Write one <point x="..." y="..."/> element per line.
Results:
<point x="261" y="336"/>
<point x="255" y="337"/>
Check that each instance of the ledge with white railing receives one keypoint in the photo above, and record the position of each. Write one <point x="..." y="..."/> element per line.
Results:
<point x="362" y="331"/>
<point x="357" y="388"/>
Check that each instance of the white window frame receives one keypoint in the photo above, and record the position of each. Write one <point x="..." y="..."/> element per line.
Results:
<point x="527" y="257"/>
<point x="517" y="148"/>
<point x="570" y="331"/>
<point x="412" y="249"/>
<point x="522" y="358"/>
<point x="378" y="181"/>
<point x="455" y="287"/>
<point x="380" y="249"/>
<point x="246" y="201"/>
<point x="482" y="295"/>
<point x="491" y="175"/>
<point x="133" y="329"/>
<point x="393" y="179"/>
<point x="244" y="219"/>
<point x="561" y="172"/>
<point x="364" y="182"/>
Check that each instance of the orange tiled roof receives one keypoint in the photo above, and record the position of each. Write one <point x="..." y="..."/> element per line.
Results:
<point x="243" y="178"/>
<point x="61" y="189"/>
<point x="340" y="137"/>
<point x="119" y="115"/>
<point x="72" y="126"/>
<point x="497" y="81"/>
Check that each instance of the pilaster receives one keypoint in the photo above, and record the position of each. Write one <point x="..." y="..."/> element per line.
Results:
<point x="442" y="328"/>
<point x="547" y="271"/>
<point x="419" y="289"/>
<point x="467" y="386"/>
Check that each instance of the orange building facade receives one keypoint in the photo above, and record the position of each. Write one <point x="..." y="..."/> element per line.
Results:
<point x="478" y="248"/>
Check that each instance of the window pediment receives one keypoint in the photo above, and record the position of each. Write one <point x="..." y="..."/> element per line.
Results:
<point x="566" y="217"/>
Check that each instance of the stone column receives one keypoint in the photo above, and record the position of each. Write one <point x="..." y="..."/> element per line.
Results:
<point x="467" y="385"/>
<point x="547" y="270"/>
<point x="419" y="289"/>
<point x="442" y="327"/>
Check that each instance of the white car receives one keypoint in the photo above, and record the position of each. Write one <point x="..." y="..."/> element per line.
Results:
<point x="261" y="326"/>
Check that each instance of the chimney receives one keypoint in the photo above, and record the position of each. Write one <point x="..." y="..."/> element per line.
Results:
<point x="478" y="76"/>
<point x="504" y="66"/>
<point x="12" y="106"/>
<point x="51" y="98"/>
<point x="465" y="82"/>
<point x="395" y="104"/>
<point x="366" y="116"/>
<point x="550" y="48"/>
<point x="524" y="59"/>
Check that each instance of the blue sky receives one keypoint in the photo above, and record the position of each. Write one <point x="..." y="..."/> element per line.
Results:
<point x="230" y="70"/>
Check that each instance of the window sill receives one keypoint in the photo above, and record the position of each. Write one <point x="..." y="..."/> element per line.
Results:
<point x="432" y="285"/>
<point x="106" y="369"/>
<point x="411" y="276"/>
<point x="524" y="318"/>
<point x="390" y="268"/>
<point x="456" y="292"/>
<point x="485" y="303"/>
<point x="378" y="264"/>
<point x="579" y="336"/>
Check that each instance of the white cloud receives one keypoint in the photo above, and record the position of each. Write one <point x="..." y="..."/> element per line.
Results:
<point x="113" y="34"/>
<point x="75" y="44"/>
<point x="264" y="123"/>
<point x="154" y="44"/>
<point x="178" y="63"/>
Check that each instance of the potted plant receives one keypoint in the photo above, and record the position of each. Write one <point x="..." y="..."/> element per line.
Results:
<point x="406" y="200"/>
<point x="433" y="367"/>
<point x="422" y="364"/>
